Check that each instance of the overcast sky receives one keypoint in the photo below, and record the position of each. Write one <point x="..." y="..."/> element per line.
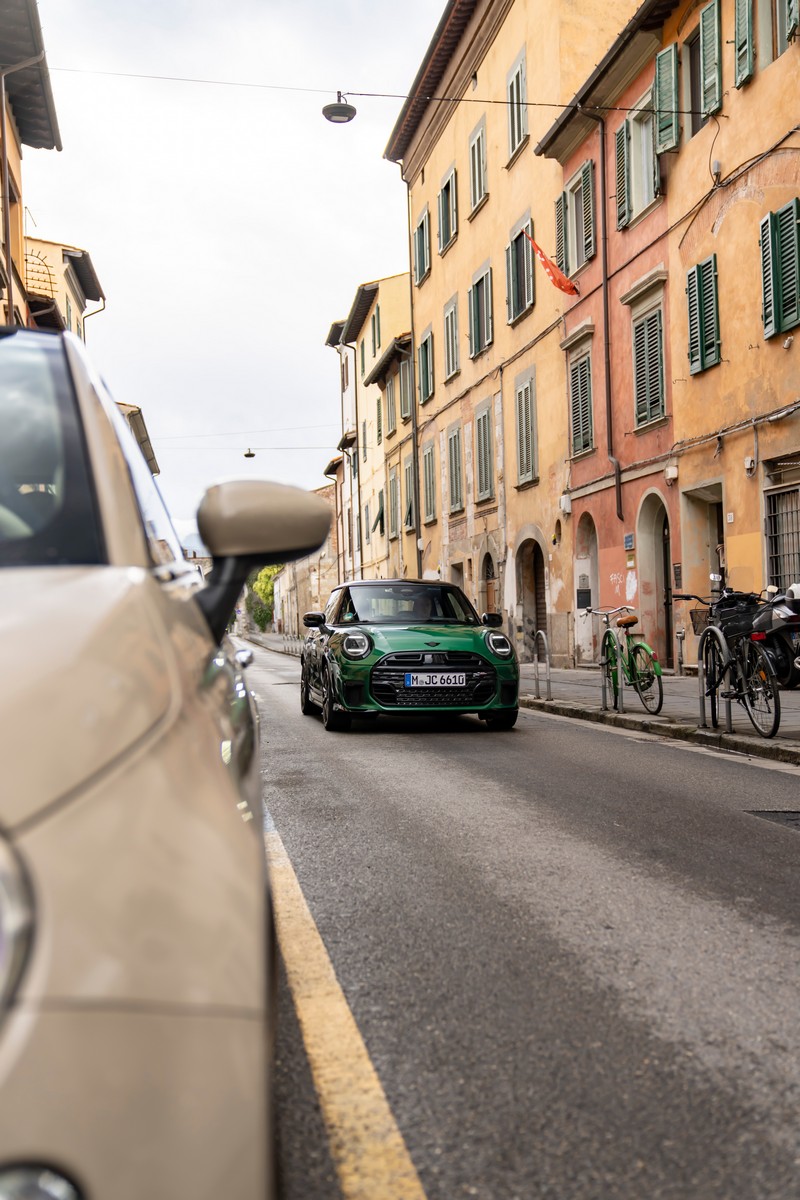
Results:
<point x="229" y="226"/>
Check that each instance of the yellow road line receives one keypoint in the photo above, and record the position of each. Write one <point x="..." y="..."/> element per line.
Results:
<point x="369" y="1153"/>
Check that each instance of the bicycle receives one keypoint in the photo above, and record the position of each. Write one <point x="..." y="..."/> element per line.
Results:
<point x="640" y="666"/>
<point x="748" y="666"/>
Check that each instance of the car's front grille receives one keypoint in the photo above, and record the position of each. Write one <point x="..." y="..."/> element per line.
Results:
<point x="389" y="676"/>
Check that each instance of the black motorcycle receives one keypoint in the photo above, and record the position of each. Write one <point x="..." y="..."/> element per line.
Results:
<point x="775" y="621"/>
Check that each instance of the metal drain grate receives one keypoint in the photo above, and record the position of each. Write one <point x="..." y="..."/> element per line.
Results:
<point x="790" y="819"/>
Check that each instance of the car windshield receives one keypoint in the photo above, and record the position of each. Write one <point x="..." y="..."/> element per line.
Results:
<point x="406" y="604"/>
<point x="47" y="511"/>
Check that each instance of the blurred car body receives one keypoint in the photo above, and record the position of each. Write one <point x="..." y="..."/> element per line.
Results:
<point x="135" y="932"/>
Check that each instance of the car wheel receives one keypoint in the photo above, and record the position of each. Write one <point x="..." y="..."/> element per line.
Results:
<point x="307" y="706"/>
<point x="333" y="721"/>
<point x="503" y="720"/>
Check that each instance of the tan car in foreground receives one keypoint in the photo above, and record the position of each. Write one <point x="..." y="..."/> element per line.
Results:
<point x="135" y="935"/>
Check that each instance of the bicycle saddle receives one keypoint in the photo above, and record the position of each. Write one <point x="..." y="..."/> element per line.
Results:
<point x="626" y="621"/>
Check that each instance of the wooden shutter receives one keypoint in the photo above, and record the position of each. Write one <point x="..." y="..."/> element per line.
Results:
<point x="648" y="367"/>
<point x="709" y="311"/>
<point x="483" y="439"/>
<point x="379" y="419"/>
<point x="471" y="320"/>
<point x="440" y="206"/>
<point x="623" y="202"/>
<point x="488" y="320"/>
<point x="580" y="381"/>
<point x="528" y="257"/>
<point x="665" y="99"/>
<point x="524" y="433"/>
<point x="787" y="245"/>
<point x="587" y="185"/>
<point x="743" y="41"/>
<point x="769" y="276"/>
<point x="561" y="232"/>
<point x="710" y="58"/>
<point x="693" y="299"/>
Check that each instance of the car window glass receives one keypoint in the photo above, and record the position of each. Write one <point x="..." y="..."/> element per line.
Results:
<point x="405" y="604"/>
<point x="332" y="605"/>
<point x="48" y="514"/>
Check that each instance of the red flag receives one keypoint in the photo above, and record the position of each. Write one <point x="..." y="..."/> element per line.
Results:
<point x="554" y="273"/>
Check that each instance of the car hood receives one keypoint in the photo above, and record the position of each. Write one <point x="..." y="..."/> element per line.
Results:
<point x="395" y="638"/>
<point x="85" y="674"/>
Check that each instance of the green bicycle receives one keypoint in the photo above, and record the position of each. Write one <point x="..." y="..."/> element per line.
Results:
<point x="639" y="662"/>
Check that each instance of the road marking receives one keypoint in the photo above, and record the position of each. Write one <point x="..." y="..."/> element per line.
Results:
<point x="367" y="1148"/>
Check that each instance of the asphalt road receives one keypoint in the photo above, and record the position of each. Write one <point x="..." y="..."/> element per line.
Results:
<point x="571" y="952"/>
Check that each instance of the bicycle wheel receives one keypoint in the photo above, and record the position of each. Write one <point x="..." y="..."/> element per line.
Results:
<point x="608" y="661"/>
<point x="760" y="697"/>
<point x="646" y="679"/>
<point x="713" y="669"/>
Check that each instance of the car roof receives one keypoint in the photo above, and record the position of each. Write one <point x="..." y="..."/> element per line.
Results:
<point x="391" y="582"/>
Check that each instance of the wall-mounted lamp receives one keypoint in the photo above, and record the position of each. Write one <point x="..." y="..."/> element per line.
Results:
<point x="749" y="464"/>
<point x="340" y="112"/>
<point x="670" y="473"/>
<point x="249" y="453"/>
<point x="788" y="342"/>
<point x="565" y="503"/>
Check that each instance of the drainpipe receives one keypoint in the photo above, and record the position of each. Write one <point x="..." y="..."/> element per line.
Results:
<point x="29" y="62"/>
<point x="357" y="519"/>
<point x="415" y="448"/>
<point x="93" y="313"/>
<point x="606" y="339"/>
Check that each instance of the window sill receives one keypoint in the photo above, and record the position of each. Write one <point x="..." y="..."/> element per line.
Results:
<point x="644" y="213"/>
<point x="452" y="242"/>
<point x="653" y="423"/>
<point x="453" y="375"/>
<point x="429" y="521"/>
<point x="419" y="282"/>
<point x="528" y="483"/>
<point x="480" y="500"/>
<point x="518" y="152"/>
<point x="390" y="434"/>
<point x="579" y="454"/>
<point x="456" y="514"/>
<point x="520" y="315"/>
<point x="482" y="351"/>
<point x="478" y="207"/>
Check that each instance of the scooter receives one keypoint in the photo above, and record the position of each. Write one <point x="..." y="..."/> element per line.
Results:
<point x="779" y="624"/>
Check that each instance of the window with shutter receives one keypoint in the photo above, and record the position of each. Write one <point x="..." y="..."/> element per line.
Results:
<point x="367" y="526"/>
<point x="519" y="274"/>
<point x="665" y="99"/>
<point x="477" y="165"/>
<point x="483" y="444"/>
<point x="451" y="362"/>
<point x="517" y="107"/>
<point x="743" y="41"/>
<point x="780" y="269"/>
<point x="405" y="389"/>
<point x="379" y="520"/>
<point x="479" y="300"/>
<point x="425" y="368"/>
<point x="448" y="215"/>
<point x="710" y="58"/>
<point x="391" y="409"/>
<point x="527" y="465"/>
<point x="701" y="293"/>
<point x="623" y="207"/>
<point x="429" y="483"/>
<point x="454" y="470"/>
<point x="561" y="232"/>
<point x="580" y="386"/>
<point x="422" y="248"/>
<point x="575" y="233"/>
<point x="364" y="440"/>
<point x="408" y="516"/>
<point x="394" y="505"/>
<point x="648" y="367"/>
<point x="379" y="420"/>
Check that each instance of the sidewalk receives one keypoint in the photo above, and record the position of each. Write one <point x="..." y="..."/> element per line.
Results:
<point x="577" y="693"/>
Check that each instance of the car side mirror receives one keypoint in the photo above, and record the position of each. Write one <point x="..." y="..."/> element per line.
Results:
<point x="312" y="620"/>
<point x="252" y="523"/>
<point x="492" y="619"/>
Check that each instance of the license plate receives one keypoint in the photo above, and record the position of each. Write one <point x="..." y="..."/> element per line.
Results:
<point x="436" y="679"/>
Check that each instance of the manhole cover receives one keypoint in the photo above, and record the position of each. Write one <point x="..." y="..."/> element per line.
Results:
<point x="790" y="819"/>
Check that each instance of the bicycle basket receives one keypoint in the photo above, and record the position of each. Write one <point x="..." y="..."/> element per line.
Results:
<point x="699" y="619"/>
<point x="737" y="619"/>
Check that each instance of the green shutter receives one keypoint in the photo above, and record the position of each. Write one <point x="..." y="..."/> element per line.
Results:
<point x="440" y="206"/>
<point x="665" y="99"/>
<point x="587" y="184"/>
<point x="787" y="221"/>
<point x="529" y="277"/>
<point x="561" y="232"/>
<point x="710" y="58"/>
<point x="510" y="273"/>
<point x="471" y="308"/>
<point x="743" y="41"/>
<point x="488" y="307"/>
<point x="581" y="404"/>
<point x="792" y="18"/>
<point x="693" y="297"/>
<point x="769" y="276"/>
<point x="379" y="419"/>
<point x="524" y="434"/>
<point x="648" y="359"/>
<point x="623" y="204"/>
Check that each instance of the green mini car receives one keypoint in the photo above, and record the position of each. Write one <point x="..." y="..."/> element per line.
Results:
<point x="399" y="646"/>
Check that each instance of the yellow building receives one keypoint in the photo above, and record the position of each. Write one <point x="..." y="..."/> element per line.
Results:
<point x="490" y="388"/>
<point x="734" y="259"/>
<point x="60" y="281"/>
<point x="378" y="473"/>
<point x="27" y="118"/>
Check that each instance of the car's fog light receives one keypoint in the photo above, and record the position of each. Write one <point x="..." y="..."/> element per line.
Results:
<point x="356" y="645"/>
<point x="35" y="1183"/>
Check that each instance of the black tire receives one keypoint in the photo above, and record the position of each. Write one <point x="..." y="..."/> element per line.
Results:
<point x="503" y="720"/>
<point x="608" y="660"/>
<point x="782" y="656"/>
<point x="334" y="722"/>
<point x="712" y="670"/>
<point x="646" y="679"/>
<point x="307" y="705"/>
<point x="761" y="697"/>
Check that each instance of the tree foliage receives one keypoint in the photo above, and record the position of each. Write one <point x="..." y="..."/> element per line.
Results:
<point x="259" y="595"/>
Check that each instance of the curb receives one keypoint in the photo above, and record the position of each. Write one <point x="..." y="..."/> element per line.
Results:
<point x="712" y="739"/>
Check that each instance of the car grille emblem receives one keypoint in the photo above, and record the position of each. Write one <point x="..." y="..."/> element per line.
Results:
<point x="431" y="643"/>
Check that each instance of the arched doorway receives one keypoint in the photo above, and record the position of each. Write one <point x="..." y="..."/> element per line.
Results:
<point x="654" y="558"/>
<point x="489" y="582"/>
<point x="532" y="591"/>
<point x="587" y="588"/>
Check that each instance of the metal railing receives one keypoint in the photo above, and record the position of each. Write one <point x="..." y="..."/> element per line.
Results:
<point x="540" y="633"/>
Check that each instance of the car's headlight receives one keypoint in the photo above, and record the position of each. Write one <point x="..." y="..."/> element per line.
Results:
<point x="16" y="921"/>
<point x="356" y="644"/>
<point x="499" y="644"/>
